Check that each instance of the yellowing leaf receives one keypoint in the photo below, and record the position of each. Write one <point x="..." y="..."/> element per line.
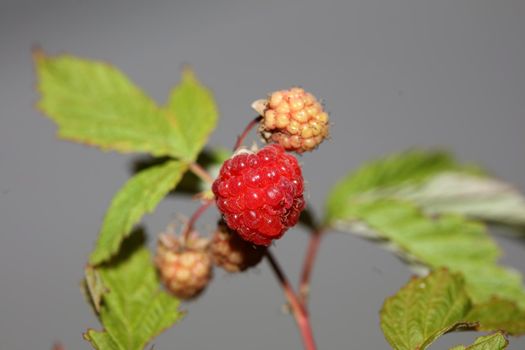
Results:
<point x="140" y="195"/>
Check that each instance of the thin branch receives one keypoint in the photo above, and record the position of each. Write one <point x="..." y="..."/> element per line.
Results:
<point x="196" y="215"/>
<point x="300" y="315"/>
<point x="248" y="128"/>
<point x="201" y="173"/>
<point x="308" y="265"/>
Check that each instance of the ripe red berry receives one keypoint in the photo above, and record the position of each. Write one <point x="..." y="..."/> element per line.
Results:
<point x="185" y="268"/>
<point x="231" y="252"/>
<point x="260" y="194"/>
<point x="294" y="119"/>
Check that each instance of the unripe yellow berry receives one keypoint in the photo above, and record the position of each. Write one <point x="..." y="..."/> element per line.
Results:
<point x="293" y="118"/>
<point x="185" y="268"/>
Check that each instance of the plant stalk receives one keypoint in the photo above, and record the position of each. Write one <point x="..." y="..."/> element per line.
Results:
<point x="301" y="316"/>
<point x="248" y="128"/>
<point x="196" y="215"/>
<point x="308" y="265"/>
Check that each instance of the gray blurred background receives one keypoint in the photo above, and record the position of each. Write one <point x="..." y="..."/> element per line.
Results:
<point x="393" y="74"/>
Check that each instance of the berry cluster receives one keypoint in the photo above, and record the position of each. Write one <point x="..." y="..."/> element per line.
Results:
<point x="294" y="119"/>
<point x="260" y="194"/>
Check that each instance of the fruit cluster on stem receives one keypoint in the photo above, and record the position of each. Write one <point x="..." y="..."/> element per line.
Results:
<point x="260" y="196"/>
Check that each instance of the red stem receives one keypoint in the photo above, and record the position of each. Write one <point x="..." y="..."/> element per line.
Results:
<point x="196" y="215"/>
<point x="308" y="265"/>
<point x="242" y="136"/>
<point x="301" y="317"/>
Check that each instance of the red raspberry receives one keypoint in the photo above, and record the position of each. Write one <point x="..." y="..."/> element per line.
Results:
<point x="185" y="268"/>
<point x="231" y="252"/>
<point x="260" y="194"/>
<point x="294" y="119"/>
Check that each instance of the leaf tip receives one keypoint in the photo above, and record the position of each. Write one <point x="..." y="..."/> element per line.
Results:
<point x="188" y="74"/>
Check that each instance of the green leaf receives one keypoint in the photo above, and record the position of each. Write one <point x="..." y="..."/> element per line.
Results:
<point x="498" y="314"/>
<point x="434" y="181"/>
<point x="482" y="198"/>
<point x="191" y="106"/>
<point x="425" y="309"/>
<point x="140" y="195"/>
<point x="134" y="309"/>
<point x="96" y="104"/>
<point x="445" y="241"/>
<point x="390" y="199"/>
<point x="428" y="307"/>
<point x="496" y="341"/>
<point x="411" y="167"/>
<point x="101" y="340"/>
